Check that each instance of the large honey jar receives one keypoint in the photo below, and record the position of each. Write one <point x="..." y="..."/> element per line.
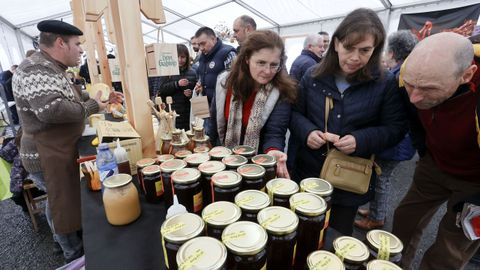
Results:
<point x="226" y="185"/>
<point x="208" y="169"/>
<point x="219" y="152"/>
<point x="324" y="260"/>
<point x="269" y="163"/>
<point x="152" y="181"/>
<point x="251" y="202"/>
<point x="142" y="163"/>
<point x="219" y="215"/>
<point x="177" y="230"/>
<point x="120" y="199"/>
<point x="244" y="150"/>
<point x="280" y="190"/>
<point x="384" y="246"/>
<point x="234" y="161"/>
<point x="188" y="189"/>
<point x="167" y="168"/>
<point x="204" y="253"/>
<point x="310" y="209"/>
<point x="246" y="244"/>
<point x="194" y="160"/>
<point x="252" y="175"/>
<point x="351" y="251"/>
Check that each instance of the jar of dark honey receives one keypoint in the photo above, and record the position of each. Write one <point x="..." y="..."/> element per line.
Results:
<point x="166" y="145"/>
<point x="281" y="225"/>
<point x="208" y="169"/>
<point x="310" y="210"/>
<point x="182" y="154"/>
<point x="167" y="168"/>
<point x="252" y="175"/>
<point x="382" y="265"/>
<point x="246" y="245"/>
<point x="219" y="152"/>
<point x="204" y="253"/>
<point x="384" y="246"/>
<point x="280" y="189"/>
<point x="351" y="251"/>
<point x="218" y="215"/>
<point x="163" y="158"/>
<point x="153" y="183"/>
<point x="177" y="230"/>
<point x="188" y="189"/>
<point x="234" y="161"/>
<point x="194" y="160"/>
<point x="244" y="150"/>
<point x="142" y="163"/>
<point x="322" y="259"/>
<point x="201" y="149"/>
<point x="251" y="202"/>
<point x="269" y="163"/>
<point x="226" y="185"/>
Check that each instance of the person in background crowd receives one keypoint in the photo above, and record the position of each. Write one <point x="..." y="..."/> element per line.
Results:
<point x="242" y="27"/>
<point x="367" y="115"/>
<point x="438" y="84"/>
<point x="252" y="102"/>
<point x="326" y="39"/>
<point x="195" y="48"/>
<point x="6" y="81"/>
<point x="400" y="44"/>
<point x="52" y="113"/>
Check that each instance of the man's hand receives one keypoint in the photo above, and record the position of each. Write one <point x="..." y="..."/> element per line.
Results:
<point x="198" y="88"/>
<point x="101" y="104"/>
<point x="347" y="144"/>
<point x="281" y="158"/>
<point x="187" y="92"/>
<point x="182" y="82"/>
<point x="315" y="139"/>
<point x="115" y="97"/>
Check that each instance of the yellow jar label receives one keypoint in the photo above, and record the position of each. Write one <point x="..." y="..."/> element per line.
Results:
<point x="192" y="260"/>
<point x="165" y="253"/>
<point x="327" y="218"/>
<point x="294" y="253"/>
<point x="345" y="250"/>
<point x="233" y="235"/>
<point x="269" y="220"/>
<point x="320" y="239"/>
<point x="323" y="263"/>
<point x="273" y="190"/>
<point x="197" y="202"/>
<point x="264" y="267"/>
<point x="311" y="185"/>
<point x="245" y="200"/>
<point x="298" y="203"/>
<point x="212" y="214"/>
<point x="262" y="189"/>
<point x="384" y="250"/>
<point x="172" y="228"/>
<point x="159" y="188"/>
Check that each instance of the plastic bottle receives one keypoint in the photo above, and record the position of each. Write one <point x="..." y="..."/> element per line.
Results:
<point x="122" y="159"/>
<point x="106" y="163"/>
<point x="176" y="208"/>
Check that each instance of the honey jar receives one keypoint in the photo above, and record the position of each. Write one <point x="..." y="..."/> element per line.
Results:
<point x="120" y="199"/>
<point x="188" y="189"/>
<point x="218" y="215"/>
<point x="226" y="185"/>
<point x="251" y="202"/>
<point x="204" y="253"/>
<point x="280" y="190"/>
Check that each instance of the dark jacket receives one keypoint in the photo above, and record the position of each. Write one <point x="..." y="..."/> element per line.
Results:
<point x="302" y="63"/>
<point x="371" y="111"/>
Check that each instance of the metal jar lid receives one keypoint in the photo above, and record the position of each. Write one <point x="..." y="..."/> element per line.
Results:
<point x="252" y="200"/>
<point x="201" y="149"/>
<point x="382" y="265"/>
<point x="282" y="187"/>
<point x="226" y="179"/>
<point x="350" y="249"/>
<point x="278" y="220"/>
<point x="235" y="160"/>
<point x="374" y="240"/>
<point x="182" y="154"/>
<point x="197" y="159"/>
<point x="221" y="213"/>
<point x="211" y="167"/>
<point x="182" y="227"/>
<point x="170" y="166"/>
<point x="220" y="152"/>
<point x="185" y="176"/>
<point x="244" y="238"/>
<point x="244" y="150"/>
<point x="165" y="157"/>
<point x="202" y="253"/>
<point x="308" y="204"/>
<point x="152" y="169"/>
<point x="322" y="259"/>
<point x="264" y="160"/>
<point x="144" y="162"/>
<point x="251" y="171"/>
<point x="117" y="180"/>
<point x="316" y="186"/>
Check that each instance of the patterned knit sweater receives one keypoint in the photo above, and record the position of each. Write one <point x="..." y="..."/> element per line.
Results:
<point x="45" y="97"/>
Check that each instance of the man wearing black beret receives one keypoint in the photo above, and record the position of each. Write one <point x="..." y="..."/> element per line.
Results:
<point x="52" y="113"/>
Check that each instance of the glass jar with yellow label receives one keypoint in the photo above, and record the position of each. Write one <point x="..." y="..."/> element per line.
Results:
<point x="181" y="154"/>
<point x="177" y="230"/>
<point x="163" y="158"/>
<point x="324" y="260"/>
<point x="269" y="163"/>
<point x="120" y="199"/>
<point x="167" y="168"/>
<point x="384" y="246"/>
<point x="219" y="215"/>
<point x="154" y="188"/>
<point x="280" y="189"/>
<point x="244" y="150"/>
<point x="251" y="202"/>
<point x="310" y="210"/>
<point x="281" y="225"/>
<point x="194" y="160"/>
<point x="219" y="152"/>
<point x="201" y="149"/>
<point x="142" y="163"/>
<point x="234" y="161"/>
<point x="382" y="265"/>
<point x="208" y="169"/>
<point x="246" y="245"/>
<point x="204" y="253"/>
<point x="188" y="189"/>
<point x="351" y="251"/>
<point x="252" y="175"/>
<point x="226" y="185"/>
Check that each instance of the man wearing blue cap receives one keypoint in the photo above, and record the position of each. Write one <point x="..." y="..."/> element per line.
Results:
<point x="52" y="113"/>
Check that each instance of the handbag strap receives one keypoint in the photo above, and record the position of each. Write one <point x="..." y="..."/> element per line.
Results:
<point x="328" y="107"/>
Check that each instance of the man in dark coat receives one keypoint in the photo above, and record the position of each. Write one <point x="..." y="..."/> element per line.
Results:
<point x="311" y="54"/>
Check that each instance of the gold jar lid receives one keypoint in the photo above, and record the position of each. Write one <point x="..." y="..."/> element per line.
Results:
<point x="211" y="167"/>
<point x="282" y="187"/>
<point x="251" y="171"/>
<point x="350" y="249"/>
<point x="308" y="204"/>
<point x="182" y="154"/>
<point x="244" y="150"/>
<point x="253" y="200"/>
<point x="165" y="157"/>
<point x="220" y="152"/>
<point x="201" y="149"/>
<point x="264" y="160"/>
<point x="278" y="220"/>
<point x="316" y="186"/>
<point x="152" y="169"/>
<point x="382" y="265"/>
<point x="144" y="162"/>
<point x="173" y="165"/>
<point x="221" y="213"/>
<point x="244" y="238"/>
<point x="182" y="227"/>
<point x="185" y="176"/>
<point x="226" y="179"/>
<point x="202" y="253"/>
<point x="117" y="180"/>
<point x="324" y="260"/>
<point x="235" y="160"/>
<point x="197" y="159"/>
<point x="377" y="238"/>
